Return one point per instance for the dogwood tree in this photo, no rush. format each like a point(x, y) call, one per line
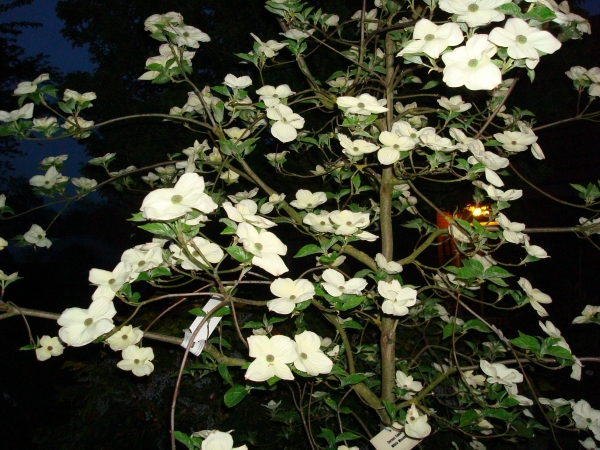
point(421, 98)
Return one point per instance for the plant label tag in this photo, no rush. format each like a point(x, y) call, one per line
point(204, 332)
point(391, 439)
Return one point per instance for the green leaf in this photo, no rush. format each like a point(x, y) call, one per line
point(540, 13)
point(510, 9)
point(238, 254)
point(498, 413)
point(159, 272)
point(390, 408)
point(197, 312)
point(28, 347)
point(352, 302)
point(526, 342)
point(352, 324)
point(328, 435)
point(353, 379)
point(559, 352)
point(346, 436)
point(448, 330)
point(191, 443)
point(235, 395)
point(159, 228)
point(224, 372)
point(468, 417)
point(476, 324)
point(431, 84)
point(309, 249)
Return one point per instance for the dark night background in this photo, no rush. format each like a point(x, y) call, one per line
point(80, 399)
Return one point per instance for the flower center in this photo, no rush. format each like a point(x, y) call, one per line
point(361, 105)
point(141, 263)
point(514, 142)
point(87, 322)
point(292, 297)
point(396, 147)
point(349, 223)
point(309, 205)
point(40, 236)
point(322, 222)
point(473, 7)
point(270, 358)
point(473, 63)
point(413, 135)
point(429, 37)
point(49, 348)
point(355, 149)
point(275, 96)
point(112, 281)
point(258, 246)
point(303, 355)
point(521, 39)
point(124, 337)
point(176, 199)
point(341, 288)
point(136, 361)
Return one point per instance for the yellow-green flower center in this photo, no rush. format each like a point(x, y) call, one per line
point(87, 322)
point(521, 39)
point(361, 105)
point(473, 63)
point(136, 361)
point(473, 7)
point(303, 355)
point(429, 37)
point(270, 358)
point(176, 199)
point(258, 246)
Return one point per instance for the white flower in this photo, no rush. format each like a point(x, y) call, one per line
point(320, 223)
point(101, 160)
point(584, 415)
point(243, 195)
point(436, 143)
point(340, 82)
point(170, 203)
point(271, 356)
point(588, 223)
point(269, 48)
point(416, 425)
point(433, 39)
point(473, 380)
point(501, 196)
point(265, 246)
point(37, 236)
point(364, 105)
point(393, 144)
point(515, 141)
point(336, 285)
point(189, 36)
point(49, 346)
point(308, 200)
point(237, 83)
point(209, 253)
point(407, 382)
point(535, 297)
point(513, 392)
point(218, 440)
point(3, 243)
point(534, 250)
point(272, 96)
point(229, 176)
point(296, 35)
point(157, 22)
point(310, 357)
point(499, 373)
point(332, 20)
point(589, 443)
point(462, 141)
point(471, 65)
point(289, 293)
point(245, 211)
point(84, 183)
point(25, 112)
point(28, 87)
point(474, 12)
point(512, 231)
point(77, 97)
point(370, 26)
point(48, 180)
point(82, 326)
point(138, 360)
point(78, 123)
point(347, 222)
point(390, 267)
point(125, 337)
point(587, 314)
point(491, 161)
point(524, 41)
point(286, 122)
point(455, 104)
point(109, 282)
point(357, 148)
point(397, 298)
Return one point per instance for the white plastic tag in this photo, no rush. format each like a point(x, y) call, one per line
point(204, 332)
point(390, 439)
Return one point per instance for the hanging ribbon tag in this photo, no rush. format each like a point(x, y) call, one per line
point(207, 329)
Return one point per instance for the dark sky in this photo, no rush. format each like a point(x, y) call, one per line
point(65, 56)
